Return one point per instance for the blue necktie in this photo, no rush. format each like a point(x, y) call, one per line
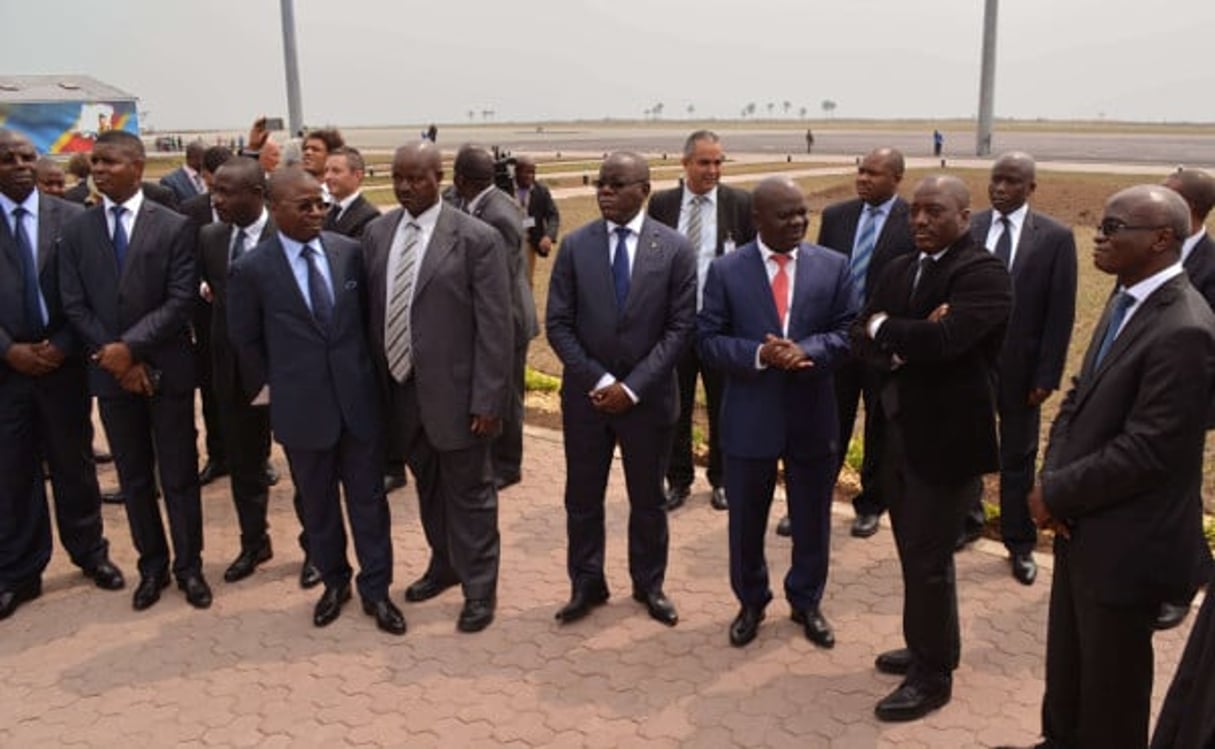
point(120, 237)
point(238, 244)
point(1122, 303)
point(318, 290)
point(1004, 243)
point(865, 242)
point(620, 268)
point(34, 321)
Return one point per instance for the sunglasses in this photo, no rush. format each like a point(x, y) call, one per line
point(1111, 226)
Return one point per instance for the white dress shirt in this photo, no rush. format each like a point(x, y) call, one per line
point(132, 206)
point(1142, 290)
point(1016, 221)
point(426, 228)
point(294, 251)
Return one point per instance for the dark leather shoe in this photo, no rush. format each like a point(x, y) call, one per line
point(658, 606)
point(895, 662)
point(584, 598)
point(504, 482)
point(147, 592)
point(427, 587)
point(330, 606)
point(676, 496)
point(12, 598)
point(211, 470)
point(105, 575)
point(248, 560)
point(818, 631)
point(476, 615)
point(392, 482)
point(388, 618)
point(864, 525)
point(718, 501)
point(101, 457)
point(1024, 568)
point(310, 575)
point(271, 474)
point(198, 593)
point(745, 626)
point(784, 527)
point(967, 537)
point(913, 700)
point(115, 497)
point(1171, 615)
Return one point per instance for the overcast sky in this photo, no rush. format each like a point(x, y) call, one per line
point(217, 63)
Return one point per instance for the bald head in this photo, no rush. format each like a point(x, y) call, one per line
point(243, 173)
point(878, 175)
point(296, 203)
point(1140, 233)
point(1154, 206)
point(417, 170)
point(473, 170)
point(781, 216)
point(286, 179)
point(238, 191)
point(622, 187)
point(1012, 181)
point(1197, 188)
point(940, 212)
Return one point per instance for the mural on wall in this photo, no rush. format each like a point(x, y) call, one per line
point(68, 127)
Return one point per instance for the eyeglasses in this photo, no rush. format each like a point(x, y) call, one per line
point(616, 185)
point(1111, 226)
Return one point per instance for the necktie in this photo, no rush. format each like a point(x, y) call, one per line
point(780, 288)
point(335, 212)
point(34, 321)
point(120, 237)
point(866, 240)
point(318, 290)
point(924, 264)
point(1121, 305)
point(398, 340)
point(620, 268)
point(1004, 243)
point(238, 245)
point(694, 225)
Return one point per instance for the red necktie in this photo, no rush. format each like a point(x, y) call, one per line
point(780, 288)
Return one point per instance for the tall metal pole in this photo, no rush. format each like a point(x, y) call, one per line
point(987, 80)
point(295, 107)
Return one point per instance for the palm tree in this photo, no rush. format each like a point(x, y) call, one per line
point(802, 112)
point(771, 106)
point(828, 107)
point(786, 105)
point(657, 110)
point(471, 115)
point(691, 110)
point(750, 111)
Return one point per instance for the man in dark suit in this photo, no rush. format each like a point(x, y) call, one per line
point(44, 400)
point(934, 324)
point(541, 219)
point(1040, 253)
point(621, 306)
point(775, 323)
point(871, 230)
point(295, 318)
point(186, 180)
point(78, 167)
point(129, 282)
point(350, 212)
point(440, 324)
point(474, 181)
point(1121, 480)
point(715, 218)
point(198, 208)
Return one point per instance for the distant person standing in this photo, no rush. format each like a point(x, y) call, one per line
point(78, 167)
point(938, 142)
point(432, 133)
point(809, 140)
point(541, 220)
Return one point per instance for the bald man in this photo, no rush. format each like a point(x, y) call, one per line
point(933, 325)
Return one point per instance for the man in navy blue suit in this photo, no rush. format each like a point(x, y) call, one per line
point(775, 322)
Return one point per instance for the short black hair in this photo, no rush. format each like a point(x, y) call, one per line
point(122, 138)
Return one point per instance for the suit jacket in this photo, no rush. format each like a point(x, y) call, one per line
point(640, 345)
point(460, 322)
point(1200, 267)
point(542, 209)
point(53, 214)
point(770, 412)
point(354, 219)
point(943, 394)
point(148, 306)
point(198, 210)
point(77, 193)
point(160, 194)
point(321, 382)
point(1124, 463)
point(838, 231)
point(180, 183)
point(734, 220)
point(499, 211)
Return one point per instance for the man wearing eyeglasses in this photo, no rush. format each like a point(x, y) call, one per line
point(621, 306)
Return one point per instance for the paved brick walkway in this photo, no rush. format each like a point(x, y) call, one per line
point(80, 668)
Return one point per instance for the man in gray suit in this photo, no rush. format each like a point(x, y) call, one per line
point(621, 306)
point(474, 181)
point(440, 332)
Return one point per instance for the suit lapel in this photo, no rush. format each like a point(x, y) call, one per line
point(442, 240)
point(755, 280)
point(286, 278)
point(101, 231)
point(146, 223)
point(725, 218)
point(649, 255)
point(600, 260)
point(1026, 244)
point(337, 277)
point(898, 212)
point(48, 221)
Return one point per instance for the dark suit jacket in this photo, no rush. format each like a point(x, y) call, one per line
point(354, 219)
point(321, 382)
point(77, 193)
point(181, 185)
point(770, 412)
point(53, 214)
point(943, 396)
point(1124, 463)
point(640, 346)
point(160, 194)
point(1200, 267)
point(543, 209)
point(460, 322)
point(1044, 303)
point(734, 219)
point(198, 210)
point(838, 231)
point(148, 307)
point(499, 211)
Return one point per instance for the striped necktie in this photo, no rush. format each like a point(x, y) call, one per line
point(398, 339)
point(863, 252)
point(694, 221)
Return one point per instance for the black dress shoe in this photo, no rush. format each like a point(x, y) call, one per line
point(148, 591)
point(1170, 615)
point(1024, 569)
point(865, 525)
point(115, 497)
point(718, 501)
point(913, 700)
point(330, 606)
point(476, 615)
point(503, 482)
point(198, 593)
point(967, 537)
point(658, 606)
point(584, 598)
point(310, 575)
point(427, 587)
point(247, 561)
point(895, 662)
point(13, 597)
point(388, 618)
point(105, 575)
point(818, 631)
point(676, 496)
point(101, 456)
point(213, 469)
point(745, 626)
point(784, 527)
point(393, 481)
point(271, 474)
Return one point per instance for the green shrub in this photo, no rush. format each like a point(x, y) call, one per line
point(534, 381)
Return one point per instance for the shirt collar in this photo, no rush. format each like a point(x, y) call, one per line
point(427, 219)
point(709, 197)
point(472, 204)
point(295, 249)
point(30, 204)
point(345, 202)
point(256, 228)
point(767, 252)
point(634, 224)
point(133, 204)
point(883, 209)
point(1016, 218)
point(1144, 288)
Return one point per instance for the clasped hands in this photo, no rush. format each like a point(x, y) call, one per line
point(34, 359)
point(611, 399)
point(132, 376)
point(783, 353)
point(1041, 514)
point(483, 426)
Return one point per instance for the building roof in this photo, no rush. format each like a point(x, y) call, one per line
point(16, 89)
